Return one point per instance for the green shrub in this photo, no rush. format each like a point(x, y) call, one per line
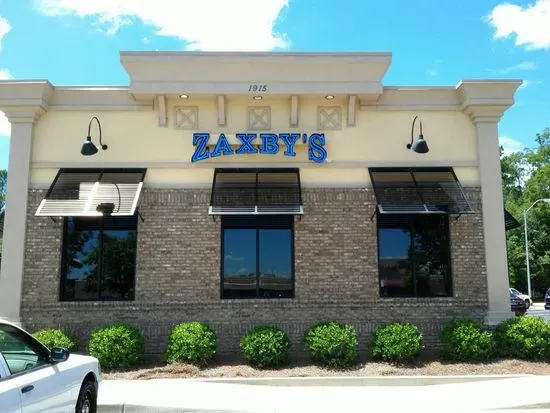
point(464, 340)
point(265, 346)
point(524, 337)
point(54, 337)
point(118, 345)
point(191, 342)
point(397, 342)
point(332, 343)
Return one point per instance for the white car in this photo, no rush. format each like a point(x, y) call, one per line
point(524, 297)
point(36, 379)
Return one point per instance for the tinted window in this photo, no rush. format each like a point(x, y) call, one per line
point(414, 256)
point(99, 258)
point(20, 351)
point(258, 257)
point(239, 269)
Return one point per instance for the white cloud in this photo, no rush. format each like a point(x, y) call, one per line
point(529, 24)
point(4, 74)
point(5, 126)
point(237, 25)
point(523, 66)
point(4, 29)
point(432, 72)
point(527, 83)
point(510, 145)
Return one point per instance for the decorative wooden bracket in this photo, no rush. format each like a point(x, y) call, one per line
point(352, 105)
point(294, 111)
point(163, 118)
point(221, 110)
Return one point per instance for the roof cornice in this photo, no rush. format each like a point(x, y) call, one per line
point(487, 100)
point(24, 101)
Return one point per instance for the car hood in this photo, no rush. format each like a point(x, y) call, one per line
point(81, 359)
point(81, 362)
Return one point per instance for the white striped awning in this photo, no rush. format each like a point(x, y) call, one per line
point(88, 192)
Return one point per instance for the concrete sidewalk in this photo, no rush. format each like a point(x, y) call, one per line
point(331, 395)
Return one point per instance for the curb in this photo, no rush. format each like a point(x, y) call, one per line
point(130, 408)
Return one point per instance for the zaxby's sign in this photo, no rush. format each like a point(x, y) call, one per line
point(268, 143)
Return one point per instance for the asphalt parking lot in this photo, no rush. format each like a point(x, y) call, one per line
point(537, 309)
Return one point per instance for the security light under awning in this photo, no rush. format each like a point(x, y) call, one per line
point(88, 192)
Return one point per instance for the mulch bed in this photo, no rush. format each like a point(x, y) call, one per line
point(369, 368)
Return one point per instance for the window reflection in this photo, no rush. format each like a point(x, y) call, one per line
point(257, 257)
point(275, 263)
point(414, 255)
point(395, 270)
point(239, 270)
point(99, 257)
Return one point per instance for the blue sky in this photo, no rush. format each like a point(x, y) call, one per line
point(76, 42)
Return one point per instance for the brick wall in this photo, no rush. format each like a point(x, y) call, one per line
point(178, 273)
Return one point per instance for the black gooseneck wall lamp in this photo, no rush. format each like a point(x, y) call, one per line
point(107, 208)
point(420, 146)
point(88, 147)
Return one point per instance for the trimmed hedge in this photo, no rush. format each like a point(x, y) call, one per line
point(396, 342)
point(523, 337)
point(55, 337)
point(265, 346)
point(466, 340)
point(117, 345)
point(191, 342)
point(332, 343)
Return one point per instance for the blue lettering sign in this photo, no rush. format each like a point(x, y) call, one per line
point(201, 151)
point(269, 144)
point(290, 140)
point(221, 146)
point(317, 152)
point(246, 143)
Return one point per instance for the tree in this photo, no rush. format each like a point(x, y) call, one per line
point(526, 178)
point(3, 182)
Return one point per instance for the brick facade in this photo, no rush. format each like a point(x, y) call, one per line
point(336, 274)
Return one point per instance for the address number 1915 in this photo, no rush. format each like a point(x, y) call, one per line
point(257, 88)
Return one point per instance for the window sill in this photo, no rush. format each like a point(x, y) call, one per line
point(97, 303)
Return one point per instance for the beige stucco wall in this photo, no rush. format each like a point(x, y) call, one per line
point(134, 137)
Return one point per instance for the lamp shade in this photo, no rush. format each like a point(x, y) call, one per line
point(420, 146)
point(88, 147)
point(106, 208)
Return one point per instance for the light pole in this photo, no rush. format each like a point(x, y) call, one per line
point(547, 200)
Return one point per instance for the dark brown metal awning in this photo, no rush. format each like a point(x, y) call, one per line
point(79, 192)
point(418, 191)
point(509, 221)
point(256, 192)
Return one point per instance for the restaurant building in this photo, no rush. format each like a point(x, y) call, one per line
point(242, 189)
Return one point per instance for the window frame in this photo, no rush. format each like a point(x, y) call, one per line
point(449, 286)
point(64, 259)
point(259, 223)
